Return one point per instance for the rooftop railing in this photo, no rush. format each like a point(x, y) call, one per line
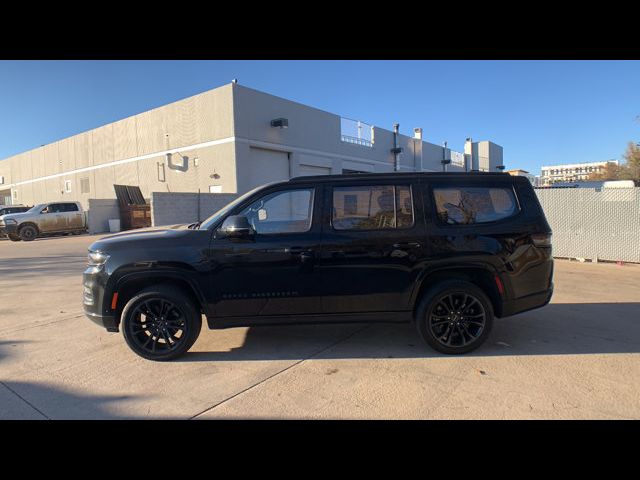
point(356, 132)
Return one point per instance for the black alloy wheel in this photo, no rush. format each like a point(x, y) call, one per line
point(160, 323)
point(457, 319)
point(454, 317)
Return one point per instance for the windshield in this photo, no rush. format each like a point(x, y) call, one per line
point(227, 208)
point(37, 208)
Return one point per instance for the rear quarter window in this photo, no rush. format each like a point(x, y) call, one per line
point(474, 205)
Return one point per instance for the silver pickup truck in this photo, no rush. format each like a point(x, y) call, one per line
point(43, 220)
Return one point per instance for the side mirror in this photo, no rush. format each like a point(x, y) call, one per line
point(237, 226)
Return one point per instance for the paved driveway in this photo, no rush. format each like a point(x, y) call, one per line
point(579, 357)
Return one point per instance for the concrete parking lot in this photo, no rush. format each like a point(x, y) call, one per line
point(579, 357)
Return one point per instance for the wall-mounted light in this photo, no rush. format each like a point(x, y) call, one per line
point(280, 122)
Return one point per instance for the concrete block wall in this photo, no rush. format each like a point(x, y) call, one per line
point(170, 208)
point(100, 211)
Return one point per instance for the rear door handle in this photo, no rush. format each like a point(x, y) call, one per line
point(297, 250)
point(407, 245)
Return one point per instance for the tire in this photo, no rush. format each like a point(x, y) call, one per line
point(454, 317)
point(13, 237)
point(171, 319)
point(28, 233)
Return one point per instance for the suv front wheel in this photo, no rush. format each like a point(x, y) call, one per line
point(454, 317)
point(160, 323)
point(28, 233)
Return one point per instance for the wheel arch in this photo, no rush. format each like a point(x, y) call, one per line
point(482, 276)
point(129, 284)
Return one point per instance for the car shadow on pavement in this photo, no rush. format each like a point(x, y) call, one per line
point(36, 401)
point(557, 329)
point(7, 345)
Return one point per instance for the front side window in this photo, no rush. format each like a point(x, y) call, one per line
point(376, 207)
point(281, 212)
point(470, 205)
point(53, 208)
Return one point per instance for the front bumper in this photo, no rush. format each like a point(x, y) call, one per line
point(107, 321)
point(95, 304)
point(8, 229)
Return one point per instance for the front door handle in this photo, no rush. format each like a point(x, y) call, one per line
point(306, 255)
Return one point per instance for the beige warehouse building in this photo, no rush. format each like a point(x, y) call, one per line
point(226, 140)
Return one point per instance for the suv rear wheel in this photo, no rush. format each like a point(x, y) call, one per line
point(454, 317)
point(160, 323)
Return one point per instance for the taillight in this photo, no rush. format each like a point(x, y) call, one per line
point(541, 239)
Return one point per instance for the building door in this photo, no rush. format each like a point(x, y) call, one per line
point(5, 197)
point(304, 170)
point(265, 166)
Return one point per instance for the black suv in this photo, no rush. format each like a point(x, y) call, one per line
point(448, 251)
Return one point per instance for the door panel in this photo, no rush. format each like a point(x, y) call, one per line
point(50, 221)
point(75, 218)
point(373, 245)
point(276, 272)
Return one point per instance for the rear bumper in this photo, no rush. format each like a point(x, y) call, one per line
point(523, 304)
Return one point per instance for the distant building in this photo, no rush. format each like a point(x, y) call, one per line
point(523, 173)
point(572, 172)
point(226, 140)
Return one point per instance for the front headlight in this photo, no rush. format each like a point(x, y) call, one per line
point(97, 259)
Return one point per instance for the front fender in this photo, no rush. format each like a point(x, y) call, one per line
point(149, 275)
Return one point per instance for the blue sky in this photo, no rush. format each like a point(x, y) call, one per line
point(541, 112)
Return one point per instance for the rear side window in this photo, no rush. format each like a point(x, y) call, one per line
point(472, 205)
point(376, 207)
point(55, 208)
point(70, 207)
